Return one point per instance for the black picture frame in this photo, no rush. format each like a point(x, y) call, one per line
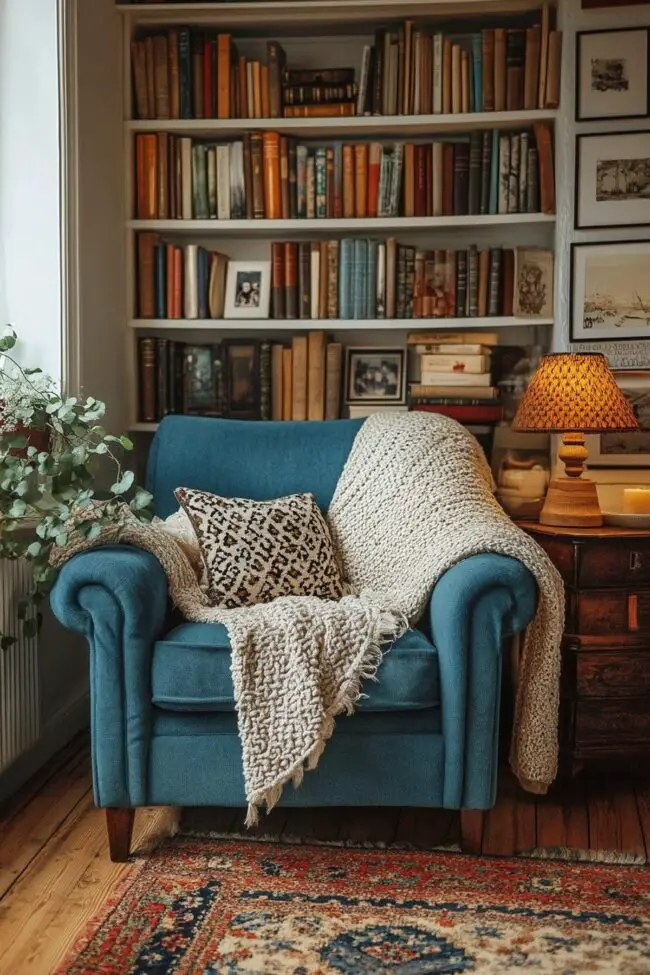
point(242, 379)
point(613, 338)
point(578, 74)
point(202, 375)
point(394, 352)
point(580, 138)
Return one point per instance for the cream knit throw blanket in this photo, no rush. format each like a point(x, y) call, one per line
point(414, 498)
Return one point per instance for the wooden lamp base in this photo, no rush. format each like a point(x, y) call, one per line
point(572, 501)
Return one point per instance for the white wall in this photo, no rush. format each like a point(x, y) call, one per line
point(30, 272)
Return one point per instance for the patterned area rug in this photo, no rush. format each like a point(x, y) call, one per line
point(209, 906)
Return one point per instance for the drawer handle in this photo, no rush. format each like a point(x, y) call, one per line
point(633, 612)
point(635, 561)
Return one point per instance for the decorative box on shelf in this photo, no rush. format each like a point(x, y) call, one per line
point(605, 689)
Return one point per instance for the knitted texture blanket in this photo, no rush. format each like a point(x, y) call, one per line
point(414, 498)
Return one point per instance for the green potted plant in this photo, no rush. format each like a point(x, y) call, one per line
point(55, 458)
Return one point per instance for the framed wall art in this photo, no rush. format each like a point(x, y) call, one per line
point(610, 291)
point(627, 449)
point(612, 74)
point(375, 375)
point(612, 183)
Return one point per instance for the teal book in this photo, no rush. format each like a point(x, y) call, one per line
point(371, 280)
point(477, 72)
point(320, 171)
point(200, 204)
point(359, 279)
point(494, 173)
point(346, 256)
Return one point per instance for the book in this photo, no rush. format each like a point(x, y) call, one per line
point(277, 392)
point(265, 359)
point(553, 71)
point(430, 377)
point(452, 348)
point(473, 337)
point(488, 69)
point(462, 412)
point(500, 69)
point(333, 372)
point(465, 363)
point(147, 379)
point(468, 392)
point(544, 143)
point(299, 380)
point(531, 69)
point(543, 57)
point(316, 376)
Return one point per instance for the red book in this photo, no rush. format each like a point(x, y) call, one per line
point(428, 170)
point(448, 180)
point(178, 282)
point(208, 81)
point(464, 414)
point(420, 182)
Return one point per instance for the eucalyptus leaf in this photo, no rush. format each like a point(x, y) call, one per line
point(125, 482)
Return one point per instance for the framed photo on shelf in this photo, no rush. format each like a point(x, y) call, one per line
point(248, 289)
point(627, 449)
point(375, 375)
point(612, 74)
point(242, 386)
point(610, 291)
point(203, 380)
point(612, 179)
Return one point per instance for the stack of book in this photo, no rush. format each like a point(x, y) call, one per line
point(457, 379)
point(189, 73)
point(241, 379)
point(179, 282)
point(268, 176)
point(314, 93)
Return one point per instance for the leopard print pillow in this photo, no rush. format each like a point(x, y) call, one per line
point(255, 551)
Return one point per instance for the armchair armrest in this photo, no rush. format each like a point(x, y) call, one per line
point(474, 606)
point(117, 598)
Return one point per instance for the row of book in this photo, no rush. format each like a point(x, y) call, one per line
point(241, 379)
point(179, 281)
point(187, 73)
point(268, 176)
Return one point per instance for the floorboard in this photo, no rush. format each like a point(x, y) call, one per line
point(55, 870)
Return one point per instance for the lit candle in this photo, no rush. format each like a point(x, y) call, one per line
point(636, 501)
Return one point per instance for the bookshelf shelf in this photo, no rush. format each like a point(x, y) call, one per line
point(302, 228)
point(332, 324)
point(258, 17)
point(376, 126)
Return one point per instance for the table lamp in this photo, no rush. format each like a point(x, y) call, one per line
point(573, 395)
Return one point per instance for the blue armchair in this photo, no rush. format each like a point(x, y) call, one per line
point(164, 729)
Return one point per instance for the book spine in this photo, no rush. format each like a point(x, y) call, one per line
point(458, 363)
point(531, 67)
point(544, 143)
point(360, 180)
point(275, 59)
point(139, 67)
point(362, 94)
point(348, 181)
point(477, 71)
point(483, 282)
point(333, 369)
point(147, 375)
point(461, 283)
point(197, 47)
point(146, 245)
point(391, 277)
point(380, 293)
point(332, 279)
point(200, 182)
point(370, 310)
point(202, 269)
point(277, 280)
point(487, 37)
point(320, 173)
point(523, 173)
point(448, 179)
point(314, 270)
point(185, 72)
point(409, 283)
point(287, 384)
point(301, 181)
point(401, 282)
point(316, 376)
point(346, 252)
point(475, 162)
point(504, 173)
point(224, 51)
point(500, 69)
point(161, 77)
point(532, 182)
point(276, 381)
point(265, 381)
point(552, 97)
point(508, 278)
point(359, 279)
point(436, 95)
point(472, 281)
point(285, 200)
point(299, 383)
point(160, 265)
point(513, 174)
point(291, 280)
point(311, 187)
point(208, 78)
point(494, 291)
point(304, 279)
point(447, 78)
point(191, 280)
point(271, 173)
point(223, 182)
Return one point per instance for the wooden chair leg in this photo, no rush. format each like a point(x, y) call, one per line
point(471, 830)
point(119, 824)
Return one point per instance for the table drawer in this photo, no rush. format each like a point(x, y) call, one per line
point(610, 613)
point(612, 563)
point(616, 674)
point(607, 722)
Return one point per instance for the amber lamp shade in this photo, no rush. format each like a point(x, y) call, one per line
point(573, 394)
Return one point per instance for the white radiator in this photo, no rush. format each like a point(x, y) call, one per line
point(20, 708)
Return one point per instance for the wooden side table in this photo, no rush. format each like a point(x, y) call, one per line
point(605, 687)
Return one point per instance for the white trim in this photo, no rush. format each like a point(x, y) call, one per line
point(333, 324)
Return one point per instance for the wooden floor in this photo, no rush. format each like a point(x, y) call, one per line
point(55, 871)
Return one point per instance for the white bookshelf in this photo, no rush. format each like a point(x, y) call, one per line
point(334, 324)
point(320, 35)
point(365, 126)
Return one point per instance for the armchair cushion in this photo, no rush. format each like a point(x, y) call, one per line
point(191, 672)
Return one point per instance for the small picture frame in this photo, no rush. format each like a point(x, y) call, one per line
point(248, 289)
point(375, 375)
point(242, 379)
point(612, 74)
point(610, 291)
point(612, 182)
point(203, 377)
point(626, 449)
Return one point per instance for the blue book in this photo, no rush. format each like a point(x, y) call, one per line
point(185, 72)
point(359, 279)
point(160, 271)
point(346, 258)
point(477, 71)
point(371, 280)
point(494, 173)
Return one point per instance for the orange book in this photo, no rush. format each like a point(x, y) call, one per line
point(257, 90)
point(178, 282)
point(169, 275)
point(552, 96)
point(162, 177)
point(446, 76)
point(409, 180)
point(284, 177)
point(224, 47)
point(337, 110)
point(140, 178)
point(348, 181)
point(464, 81)
point(266, 92)
point(271, 170)
point(360, 179)
point(149, 176)
point(242, 78)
